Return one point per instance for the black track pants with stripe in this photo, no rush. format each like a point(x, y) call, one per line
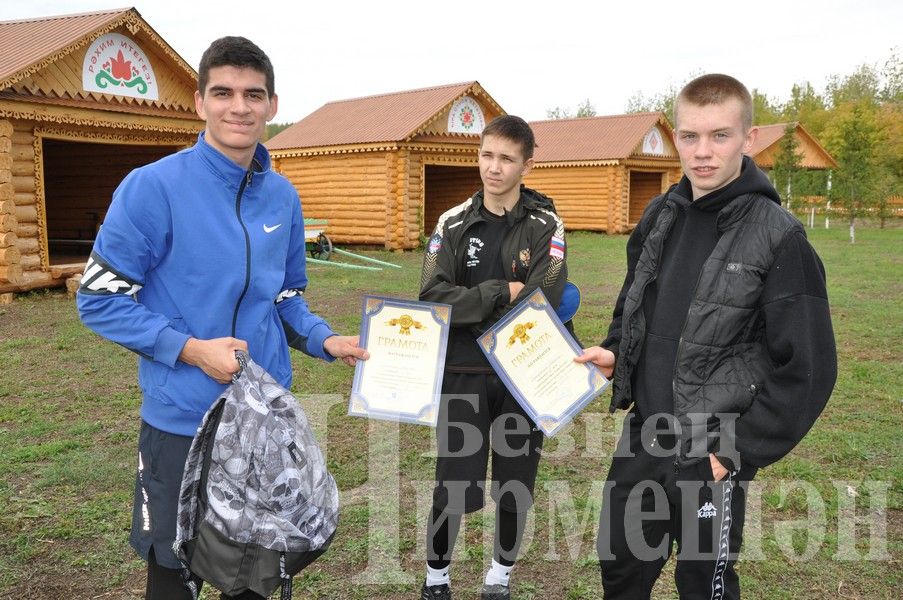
point(649, 504)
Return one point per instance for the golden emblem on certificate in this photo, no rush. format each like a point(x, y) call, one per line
point(533, 354)
point(405, 322)
point(520, 333)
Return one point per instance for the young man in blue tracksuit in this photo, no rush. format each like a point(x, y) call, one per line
point(202, 254)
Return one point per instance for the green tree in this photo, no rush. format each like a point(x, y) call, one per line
point(853, 137)
point(584, 109)
point(863, 85)
point(765, 112)
point(892, 79)
point(806, 106)
point(866, 110)
point(787, 164)
point(660, 102)
point(274, 128)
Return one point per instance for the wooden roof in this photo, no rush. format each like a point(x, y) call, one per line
point(30, 48)
point(607, 138)
point(395, 117)
point(767, 146)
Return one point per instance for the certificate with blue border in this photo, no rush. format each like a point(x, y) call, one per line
point(533, 353)
point(402, 379)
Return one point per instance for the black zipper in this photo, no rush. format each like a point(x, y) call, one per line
point(241, 190)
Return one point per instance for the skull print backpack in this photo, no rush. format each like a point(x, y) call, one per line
point(257, 504)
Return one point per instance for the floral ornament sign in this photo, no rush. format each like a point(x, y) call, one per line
point(466, 116)
point(114, 64)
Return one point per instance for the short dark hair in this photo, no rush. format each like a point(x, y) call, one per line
point(716, 88)
point(512, 128)
point(235, 51)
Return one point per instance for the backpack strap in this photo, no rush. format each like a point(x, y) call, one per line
point(286, 578)
point(191, 581)
point(242, 358)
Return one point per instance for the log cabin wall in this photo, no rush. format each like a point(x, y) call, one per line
point(349, 190)
point(414, 202)
point(21, 260)
point(10, 255)
point(581, 194)
point(618, 213)
point(391, 198)
point(396, 198)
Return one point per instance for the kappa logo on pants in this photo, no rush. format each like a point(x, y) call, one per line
point(707, 511)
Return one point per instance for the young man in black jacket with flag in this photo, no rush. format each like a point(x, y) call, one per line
point(486, 255)
point(721, 342)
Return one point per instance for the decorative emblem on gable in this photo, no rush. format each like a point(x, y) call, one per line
point(653, 142)
point(466, 116)
point(114, 64)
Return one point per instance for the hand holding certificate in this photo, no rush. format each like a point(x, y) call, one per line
point(534, 355)
point(403, 377)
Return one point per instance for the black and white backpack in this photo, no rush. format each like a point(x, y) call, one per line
point(257, 504)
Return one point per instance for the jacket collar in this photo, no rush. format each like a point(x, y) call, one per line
point(226, 168)
point(529, 200)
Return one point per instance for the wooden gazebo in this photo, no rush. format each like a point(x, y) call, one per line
point(382, 169)
point(768, 144)
point(84, 99)
point(603, 171)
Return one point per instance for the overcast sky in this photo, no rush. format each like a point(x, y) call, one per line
point(530, 56)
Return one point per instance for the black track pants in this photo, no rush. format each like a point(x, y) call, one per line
point(649, 503)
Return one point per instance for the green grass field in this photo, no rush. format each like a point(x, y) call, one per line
point(825, 522)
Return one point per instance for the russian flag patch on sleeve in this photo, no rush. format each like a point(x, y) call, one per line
point(435, 243)
point(556, 249)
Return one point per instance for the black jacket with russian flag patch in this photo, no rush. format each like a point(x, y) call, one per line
point(533, 252)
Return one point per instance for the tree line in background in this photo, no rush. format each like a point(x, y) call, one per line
point(274, 128)
point(859, 121)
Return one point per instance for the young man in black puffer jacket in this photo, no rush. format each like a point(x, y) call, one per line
point(721, 341)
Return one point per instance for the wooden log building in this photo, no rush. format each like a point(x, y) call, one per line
point(768, 146)
point(382, 169)
point(84, 99)
point(603, 171)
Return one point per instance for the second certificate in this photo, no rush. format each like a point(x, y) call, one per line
point(402, 379)
point(532, 352)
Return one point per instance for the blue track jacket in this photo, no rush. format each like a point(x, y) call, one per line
point(195, 246)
